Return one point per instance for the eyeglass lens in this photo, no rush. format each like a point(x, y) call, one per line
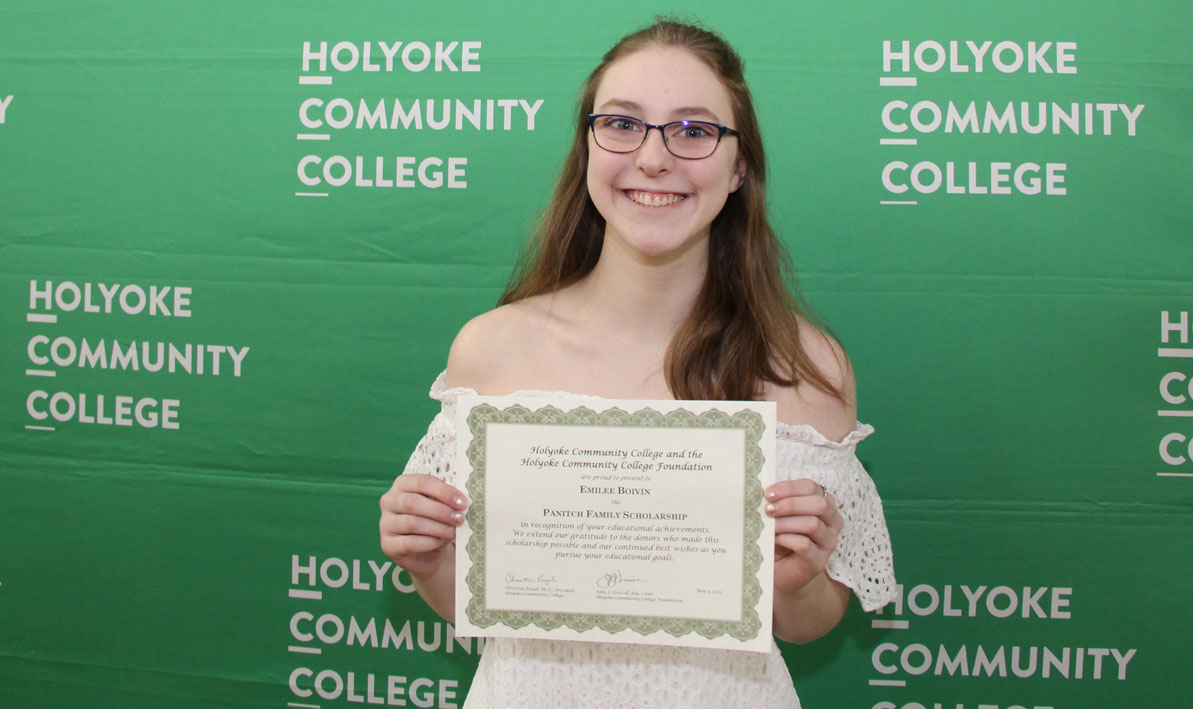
point(685, 139)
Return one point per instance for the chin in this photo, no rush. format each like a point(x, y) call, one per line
point(657, 248)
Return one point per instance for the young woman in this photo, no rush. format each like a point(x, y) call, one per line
point(656, 275)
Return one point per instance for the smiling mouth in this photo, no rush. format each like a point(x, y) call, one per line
point(654, 199)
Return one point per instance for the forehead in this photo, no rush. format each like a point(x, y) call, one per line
point(663, 82)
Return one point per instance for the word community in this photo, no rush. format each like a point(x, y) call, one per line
point(1031, 117)
point(427, 636)
point(147, 356)
point(490, 114)
point(1001, 661)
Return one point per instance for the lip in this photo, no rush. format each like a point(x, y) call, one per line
point(654, 199)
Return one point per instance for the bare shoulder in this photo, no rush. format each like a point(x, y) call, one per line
point(490, 345)
point(805, 404)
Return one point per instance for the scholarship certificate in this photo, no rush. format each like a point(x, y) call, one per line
point(623, 521)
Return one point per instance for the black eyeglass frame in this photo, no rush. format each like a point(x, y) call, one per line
point(722, 131)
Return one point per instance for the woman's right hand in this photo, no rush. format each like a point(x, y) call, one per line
point(419, 516)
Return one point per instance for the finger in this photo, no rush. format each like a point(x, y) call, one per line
point(814, 505)
point(397, 546)
point(432, 487)
point(423, 495)
point(408, 503)
point(793, 488)
point(819, 534)
point(797, 544)
point(812, 527)
point(413, 525)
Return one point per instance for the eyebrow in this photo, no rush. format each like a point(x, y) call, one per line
point(685, 111)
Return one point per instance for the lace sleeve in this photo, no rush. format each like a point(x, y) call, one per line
point(436, 451)
point(862, 559)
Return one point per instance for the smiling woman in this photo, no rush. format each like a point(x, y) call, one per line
point(655, 274)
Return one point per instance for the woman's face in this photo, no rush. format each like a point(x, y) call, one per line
point(655, 204)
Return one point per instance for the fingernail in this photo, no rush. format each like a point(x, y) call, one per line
point(771, 494)
point(458, 517)
point(770, 508)
point(459, 502)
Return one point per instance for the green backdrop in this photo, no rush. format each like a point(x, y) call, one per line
point(989, 202)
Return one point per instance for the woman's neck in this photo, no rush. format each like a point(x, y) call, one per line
point(638, 296)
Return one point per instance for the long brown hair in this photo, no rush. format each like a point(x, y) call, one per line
point(743, 329)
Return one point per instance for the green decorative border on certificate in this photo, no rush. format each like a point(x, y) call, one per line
point(750, 422)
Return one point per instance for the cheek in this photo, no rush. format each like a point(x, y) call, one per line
point(600, 176)
point(593, 167)
point(590, 174)
point(733, 177)
point(597, 182)
point(718, 178)
point(736, 177)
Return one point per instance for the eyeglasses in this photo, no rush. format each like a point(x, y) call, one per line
point(690, 140)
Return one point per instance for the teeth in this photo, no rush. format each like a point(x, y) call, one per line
point(648, 199)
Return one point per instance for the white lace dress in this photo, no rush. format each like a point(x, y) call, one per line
point(562, 674)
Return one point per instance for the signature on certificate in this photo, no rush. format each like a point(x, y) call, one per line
point(613, 578)
point(514, 578)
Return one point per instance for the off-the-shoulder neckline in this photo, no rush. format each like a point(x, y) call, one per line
point(784, 431)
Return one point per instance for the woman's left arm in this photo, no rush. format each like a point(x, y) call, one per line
point(807, 603)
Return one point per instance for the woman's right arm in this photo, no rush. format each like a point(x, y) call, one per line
point(420, 513)
point(419, 516)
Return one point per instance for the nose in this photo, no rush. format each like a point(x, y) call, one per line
point(653, 158)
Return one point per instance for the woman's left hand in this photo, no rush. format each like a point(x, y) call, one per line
point(807, 525)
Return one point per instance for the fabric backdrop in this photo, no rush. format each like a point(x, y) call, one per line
point(236, 240)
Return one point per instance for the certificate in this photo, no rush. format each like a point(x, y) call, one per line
point(624, 521)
